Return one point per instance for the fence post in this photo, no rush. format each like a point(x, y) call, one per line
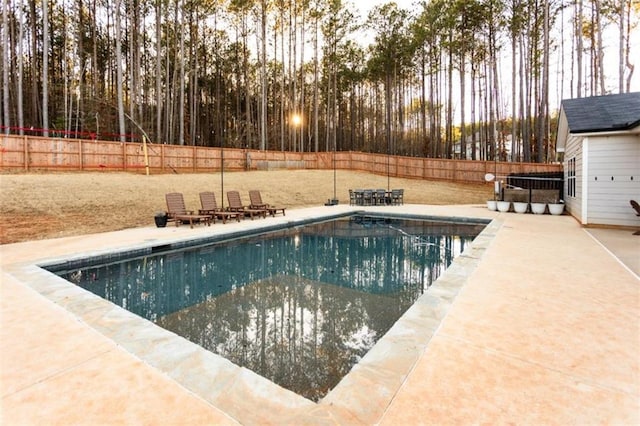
point(455, 170)
point(396, 163)
point(124, 156)
point(162, 157)
point(25, 147)
point(80, 156)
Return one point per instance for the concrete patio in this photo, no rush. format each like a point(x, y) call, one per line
point(536, 323)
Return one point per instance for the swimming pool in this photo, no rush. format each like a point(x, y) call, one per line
point(299, 306)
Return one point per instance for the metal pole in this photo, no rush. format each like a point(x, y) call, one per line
point(222, 168)
point(335, 197)
point(495, 168)
point(388, 165)
point(146, 154)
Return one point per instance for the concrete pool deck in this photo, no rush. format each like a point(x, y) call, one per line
point(538, 324)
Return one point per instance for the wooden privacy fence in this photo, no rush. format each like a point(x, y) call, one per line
point(31, 153)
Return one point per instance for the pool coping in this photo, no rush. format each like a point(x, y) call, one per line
point(240, 393)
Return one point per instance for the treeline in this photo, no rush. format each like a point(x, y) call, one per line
point(473, 79)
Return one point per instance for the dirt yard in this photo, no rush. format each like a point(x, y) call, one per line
point(39, 206)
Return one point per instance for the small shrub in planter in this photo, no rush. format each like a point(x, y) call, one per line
point(538, 208)
point(160, 219)
point(503, 206)
point(556, 208)
point(520, 207)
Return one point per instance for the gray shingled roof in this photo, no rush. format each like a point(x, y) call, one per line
point(602, 113)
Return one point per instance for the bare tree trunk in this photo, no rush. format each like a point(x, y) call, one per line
point(263, 75)
point(293, 30)
point(172, 81)
point(561, 75)
point(81, 62)
point(621, 46)
point(541, 137)
point(139, 96)
point(334, 109)
point(352, 116)
point(180, 10)
point(316, 82)
point(249, 135)
point(422, 136)
point(302, 79)
point(20, 73)
point(121, 124)
point(599, 50)
point(35, 71)
point(136, 27)
point(434, 108)
point(436, 112)
point(131, 28)
point(158, 10)
point(463, 133)
point(579, 46)
point(449, 118)
point(67, 100)
point(95, 74)
point(283, 84)
point(5, 66)
point(193, 85)
point(45, 67)
point(329, 114)
point(514, 111)
point(494, 98)
point(630, 66)
point(474, 77)
point(525, 110)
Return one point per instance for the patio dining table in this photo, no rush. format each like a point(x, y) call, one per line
point(370, 197)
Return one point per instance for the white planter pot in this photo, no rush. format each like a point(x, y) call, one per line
point(503, 206)
point(538, 208)
point(492, 205)
point(556, 209)
point(520, 207)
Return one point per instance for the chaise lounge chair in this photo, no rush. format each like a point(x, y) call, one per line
point(636, 208)
point(210, 207)
point(257, 203)
point(235, 205)
point(177, 211)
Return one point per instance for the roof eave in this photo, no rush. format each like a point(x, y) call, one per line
point(633, 127)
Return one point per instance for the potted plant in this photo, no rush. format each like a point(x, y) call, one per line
point(556, 208)
point(520, 207)
point(160, 219)
point(538, 208)
point(503, 206)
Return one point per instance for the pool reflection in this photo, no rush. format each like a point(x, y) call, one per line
point(299, 307)
point(300, 334)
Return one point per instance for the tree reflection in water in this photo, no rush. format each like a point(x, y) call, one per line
point(301, 334)
point(300, 307)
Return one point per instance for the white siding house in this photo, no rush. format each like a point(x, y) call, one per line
point(600, 138)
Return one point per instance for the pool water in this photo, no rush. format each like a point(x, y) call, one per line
point(299, 306)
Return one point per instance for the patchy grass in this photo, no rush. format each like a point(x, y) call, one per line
point(39, 206)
